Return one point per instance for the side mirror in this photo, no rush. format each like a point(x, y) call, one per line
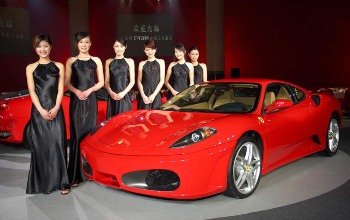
point(278, 105)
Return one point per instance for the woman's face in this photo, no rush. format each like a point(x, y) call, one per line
point(84, 45)
point(194, 54)
point(150, 52)
point(43, 49)
point(119, 49)
point(179, 54)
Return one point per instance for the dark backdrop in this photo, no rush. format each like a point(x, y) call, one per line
point(305, 42)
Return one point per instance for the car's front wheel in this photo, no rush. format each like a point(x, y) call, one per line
point(332, 136)
point(245, 169)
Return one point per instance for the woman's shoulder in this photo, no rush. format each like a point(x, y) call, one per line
point(129, 60)
point(203, 65)
point(71, 60)
point(142, 62)
point(32, 66)
point(160, 60)
point(96, 59)
point(58, 64)
point(189, 64)
point(109, 60)
point(172, 64)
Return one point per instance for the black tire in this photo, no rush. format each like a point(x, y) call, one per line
point(244, 169)
point(332, 137)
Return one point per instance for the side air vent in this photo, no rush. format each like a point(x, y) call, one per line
point(316, 139)
point(316, 99)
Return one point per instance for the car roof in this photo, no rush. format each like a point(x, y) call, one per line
point(262, 81)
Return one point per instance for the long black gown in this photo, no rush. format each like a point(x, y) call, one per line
point(119, 80)
point(48, 170)
point(198, 74)
point(83, 115)
point(179, 78)
point(150, 80)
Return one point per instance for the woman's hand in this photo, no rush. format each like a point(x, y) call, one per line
point(120, 95)
point(151, 98)
point(45, 114)
point(146, 100)
point(80, 95)
point(175, 93)
point(53, 113)
point(113, 95)
point(86, 93)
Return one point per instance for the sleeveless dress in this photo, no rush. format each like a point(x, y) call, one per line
point(83, 115)
point(198, 74)
point(119, 80)
point(48, 170)
point(179, 79)
point(150, 80)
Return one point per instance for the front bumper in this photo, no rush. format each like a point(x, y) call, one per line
point(186, 176)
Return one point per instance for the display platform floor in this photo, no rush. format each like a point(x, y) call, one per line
point(315, 187)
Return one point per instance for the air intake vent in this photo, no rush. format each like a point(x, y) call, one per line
point(162, 180)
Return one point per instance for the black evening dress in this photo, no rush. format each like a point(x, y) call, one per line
point(119, 80)
point(198, 74)
point(150, 80)
point(48, 170)
point(179, 78)
point(83, 115)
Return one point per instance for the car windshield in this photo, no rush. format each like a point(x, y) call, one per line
point(216, 97)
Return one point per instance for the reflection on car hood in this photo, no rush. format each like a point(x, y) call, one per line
point(148, 130)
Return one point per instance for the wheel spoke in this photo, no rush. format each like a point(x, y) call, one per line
point(249, 152)
point(255, 164)
point(250, 180)
point(242, 178)
point(334, 143)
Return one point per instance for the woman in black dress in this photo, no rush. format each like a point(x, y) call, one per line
point(47, 136)
point(180, 73)
point(120, 78)
point(150, 78)
point(80, 80)
point(200, 69)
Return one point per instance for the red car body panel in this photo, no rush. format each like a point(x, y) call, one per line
point(140, 140)
point(15, 115)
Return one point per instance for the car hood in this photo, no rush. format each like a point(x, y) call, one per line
point(147, 130)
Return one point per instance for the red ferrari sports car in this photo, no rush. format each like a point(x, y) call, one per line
point(15, 113)
point(215, 137)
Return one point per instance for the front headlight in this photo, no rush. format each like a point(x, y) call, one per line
point(194, 137)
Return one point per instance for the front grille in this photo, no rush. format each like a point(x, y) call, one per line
point(162, 180)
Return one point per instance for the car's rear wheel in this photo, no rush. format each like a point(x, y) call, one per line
point(245, 169)
point(332, 136)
